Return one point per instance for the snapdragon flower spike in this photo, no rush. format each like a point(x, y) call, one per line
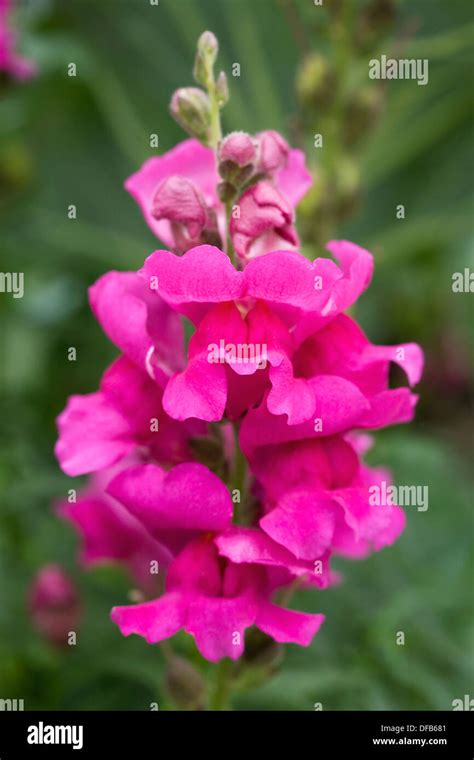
point(190, 161)
point(212, 598)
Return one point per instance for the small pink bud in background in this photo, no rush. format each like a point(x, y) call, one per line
point(54, 605)
point(179, 200)
point(273, 152)
point(239, 148)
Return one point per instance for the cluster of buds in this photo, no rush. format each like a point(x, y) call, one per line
point(197, 110)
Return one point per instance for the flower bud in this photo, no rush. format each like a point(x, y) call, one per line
point(54, 604)
point(273, 152)
point(206, 54)
point(179, 200)
point(190, 107)
point(238, 148)
point(222, 90)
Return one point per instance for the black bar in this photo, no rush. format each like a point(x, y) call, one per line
point(160, 733)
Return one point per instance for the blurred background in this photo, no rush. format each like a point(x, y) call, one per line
point(73, 140)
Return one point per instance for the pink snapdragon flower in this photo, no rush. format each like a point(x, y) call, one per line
point(197, 214)
point(11, 63)
point(317, 498)
point(213, 599)
point(282, 309)
point(188, 500)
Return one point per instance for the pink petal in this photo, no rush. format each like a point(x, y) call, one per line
point(188, 497)
point(294, 180)
point(200, 391)
point(251, 545)
point(92, 435)
point(389, 408)
point(408, 356)
point(303, 522)
point(219, 624)
point(190, 283)
point(287, 626)
point(155, 621)
point(136, 320)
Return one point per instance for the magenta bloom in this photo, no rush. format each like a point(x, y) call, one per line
point(212, 598)
point(178, 197)
point(54, 605)
point(215, 601)
point(11, 63)
point(282, 314)
point(317, 498)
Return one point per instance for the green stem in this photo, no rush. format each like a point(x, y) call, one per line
point(219, 699)
point(229, 247)
point(216, 131)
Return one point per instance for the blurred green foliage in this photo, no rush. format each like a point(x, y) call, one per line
point(67, 140)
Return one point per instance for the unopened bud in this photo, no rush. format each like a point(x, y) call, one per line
point(222, 90)
point(179, 200)
point(190, 107)
point(273, 152)
point(238, 148)
point(206, 54)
